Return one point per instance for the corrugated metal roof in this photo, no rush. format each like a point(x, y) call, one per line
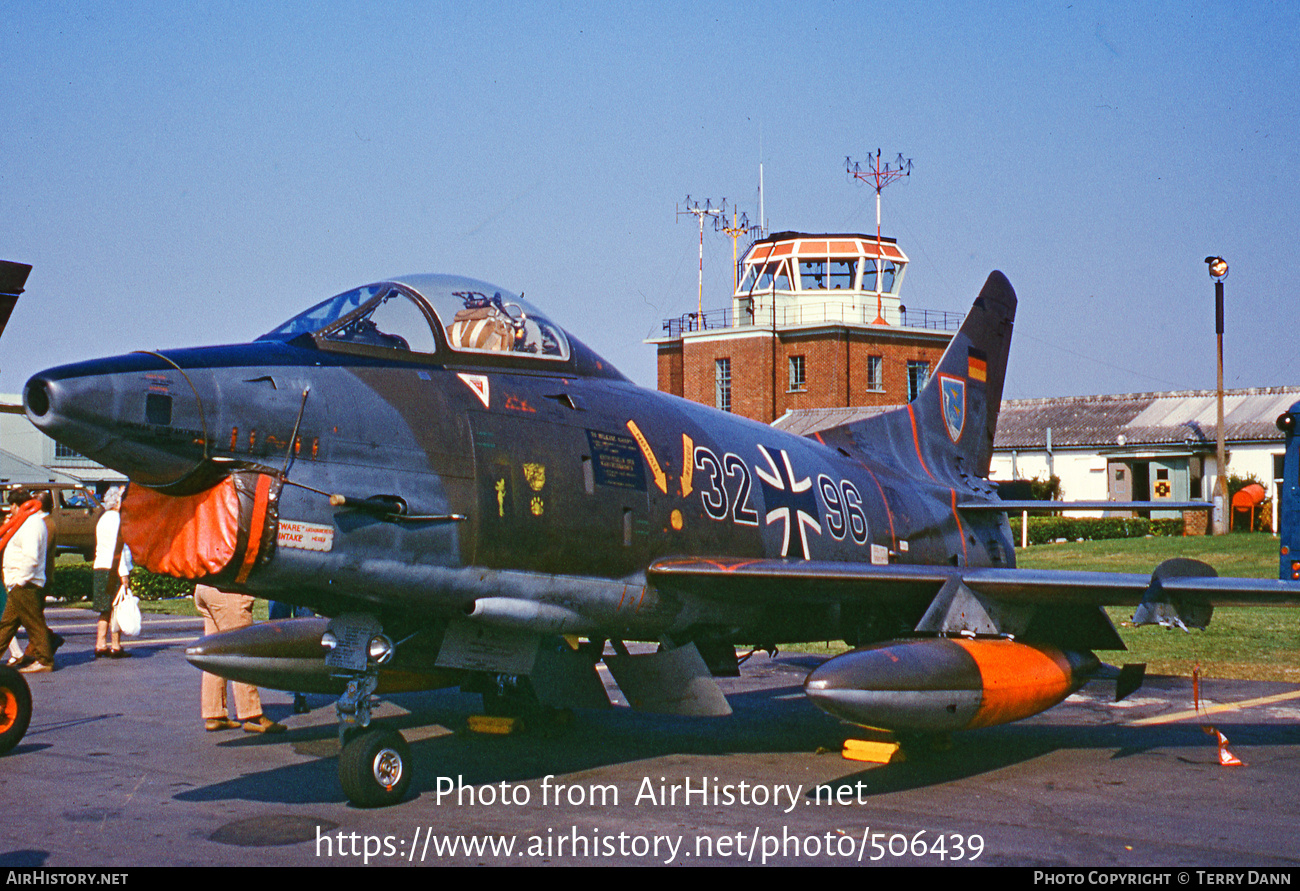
point(1181, 417)
point(1155, 419)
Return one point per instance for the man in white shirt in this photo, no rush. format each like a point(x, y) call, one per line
point(24, 576)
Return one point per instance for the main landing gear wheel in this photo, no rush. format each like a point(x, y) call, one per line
point(15, 708)
point(375, 768)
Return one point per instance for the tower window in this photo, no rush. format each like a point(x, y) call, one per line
point(722, 384)
point(798, 380)
point(917, 375)
point(875, 374)
point(842, 274)
point(812, 275)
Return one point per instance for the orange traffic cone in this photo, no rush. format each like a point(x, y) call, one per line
point(1226, 758)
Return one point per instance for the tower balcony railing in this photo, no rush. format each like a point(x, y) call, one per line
point(798, 314)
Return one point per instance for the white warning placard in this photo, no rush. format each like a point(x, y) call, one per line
point(307, 536)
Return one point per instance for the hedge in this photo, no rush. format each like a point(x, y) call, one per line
point(151, 586)
point(74, 582)
point(1046, 529)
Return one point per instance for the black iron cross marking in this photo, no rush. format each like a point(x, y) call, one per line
point(788, 499)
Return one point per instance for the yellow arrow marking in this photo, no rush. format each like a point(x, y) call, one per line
point(661, 478)
point(688, 465)
point(1215, 709)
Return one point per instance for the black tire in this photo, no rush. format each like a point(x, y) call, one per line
point(15, 708)
point(375, 768)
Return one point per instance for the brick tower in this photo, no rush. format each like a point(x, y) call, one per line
point(816, 322)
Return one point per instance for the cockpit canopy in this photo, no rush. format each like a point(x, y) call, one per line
point(425, 313)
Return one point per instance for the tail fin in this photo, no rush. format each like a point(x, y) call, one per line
point(1288, 511)
point(956, 414)
point(948, 429)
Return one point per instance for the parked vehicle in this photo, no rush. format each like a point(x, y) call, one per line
point(76, 510)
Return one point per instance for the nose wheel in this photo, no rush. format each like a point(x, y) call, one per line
point(375, 768)
point(15, 708)
point(375, 763)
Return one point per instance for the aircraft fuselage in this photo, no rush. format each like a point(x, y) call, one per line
point(550, 488)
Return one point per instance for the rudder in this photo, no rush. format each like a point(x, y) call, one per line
point(956, 414)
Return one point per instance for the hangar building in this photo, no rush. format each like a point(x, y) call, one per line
point(1126, 447)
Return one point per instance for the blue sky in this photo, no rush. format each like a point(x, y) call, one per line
point(182, 174)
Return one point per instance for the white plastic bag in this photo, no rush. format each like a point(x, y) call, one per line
point(126, 612)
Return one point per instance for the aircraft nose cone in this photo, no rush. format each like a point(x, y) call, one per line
point(126, 413)
point(58, 409)
point(36, 397)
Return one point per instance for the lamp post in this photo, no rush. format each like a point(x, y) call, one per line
point(1219, 271)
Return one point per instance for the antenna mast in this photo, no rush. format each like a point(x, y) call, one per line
point(762, 212)
point(880, 177)
point(708, 210)
point(737, 228)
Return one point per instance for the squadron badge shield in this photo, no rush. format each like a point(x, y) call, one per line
point(953, 390)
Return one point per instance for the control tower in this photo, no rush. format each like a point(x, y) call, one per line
point(817, 321)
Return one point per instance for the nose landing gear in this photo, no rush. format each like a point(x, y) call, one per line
point(375, 762)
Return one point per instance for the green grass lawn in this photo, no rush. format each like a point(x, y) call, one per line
point(1260, 643)
point(1242, 554)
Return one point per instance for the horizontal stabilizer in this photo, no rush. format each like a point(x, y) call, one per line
point(1161, 606)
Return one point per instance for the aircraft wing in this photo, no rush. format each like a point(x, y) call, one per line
point(822, 582)
point(12, 278)
point(1055, 606)
point(813, 581)
point(1124, 589)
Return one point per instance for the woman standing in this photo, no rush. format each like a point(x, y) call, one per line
point(111, 555)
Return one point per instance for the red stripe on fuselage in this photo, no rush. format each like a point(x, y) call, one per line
point(916, 440)
point(960, 532)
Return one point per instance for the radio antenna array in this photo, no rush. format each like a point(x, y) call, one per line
point(879, 176)
point(739, 226)
point(701, 213)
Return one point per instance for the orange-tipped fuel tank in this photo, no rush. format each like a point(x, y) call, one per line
point(937, 685)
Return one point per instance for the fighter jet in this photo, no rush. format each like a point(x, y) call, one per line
point(468, 495)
